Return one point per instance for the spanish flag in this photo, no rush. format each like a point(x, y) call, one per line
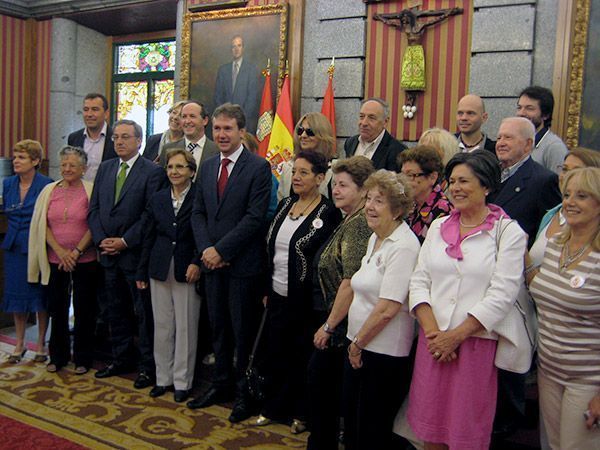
point(281, 144)
point(328, 107)
point(265, 115)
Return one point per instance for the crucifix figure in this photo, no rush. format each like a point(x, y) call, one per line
point(414, 23)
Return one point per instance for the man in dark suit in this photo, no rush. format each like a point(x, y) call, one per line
point(122, 189)
point(373, 140)
point(194, 120)
point(228, 220)
point(238, 82)
point(470, 117)
point(528, 190)
point(95, 138)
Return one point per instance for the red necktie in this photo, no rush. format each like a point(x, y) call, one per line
point(222, 182)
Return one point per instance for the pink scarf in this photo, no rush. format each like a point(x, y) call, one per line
point(450, 229)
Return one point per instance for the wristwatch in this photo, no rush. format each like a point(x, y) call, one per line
point(327, 329)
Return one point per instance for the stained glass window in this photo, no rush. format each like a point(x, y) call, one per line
point(146, 57)
point(143, 87)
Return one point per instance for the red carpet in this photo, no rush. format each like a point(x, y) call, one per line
point(19, 436)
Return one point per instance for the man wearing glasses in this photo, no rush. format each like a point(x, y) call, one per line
point(373, 140)
point(122, 189)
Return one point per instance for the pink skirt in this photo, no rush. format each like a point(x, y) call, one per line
point(454, 403)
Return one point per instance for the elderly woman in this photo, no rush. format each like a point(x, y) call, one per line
point(156, 142)
point(20, 297)
point(313, 133)
point(335, 263)
point(301, 225)
point(380, 330)
point(466, 281)
point(171, 263)
point(60, 221)
point(566, 290)
point(422, 166)
point(444, 142)
point(554, 221)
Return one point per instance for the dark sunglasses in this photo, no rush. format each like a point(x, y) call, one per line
point(309, 131)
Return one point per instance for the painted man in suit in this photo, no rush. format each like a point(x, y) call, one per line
point(229, 228)
point(373, 140)
point(122, 189)
point(95, 138)
point(470, 117)
point(528, 190)
point(238, 83)
point(194, 120)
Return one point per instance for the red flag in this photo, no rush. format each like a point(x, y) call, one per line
point(265, 116)
point(328, 107)
point(281, 144)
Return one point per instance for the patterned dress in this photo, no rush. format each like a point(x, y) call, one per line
point(436, 205)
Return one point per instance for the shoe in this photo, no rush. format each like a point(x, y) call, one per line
point(210, 397)
point(241, 410)
point(262, 421)
point(111, 370)
point(16, 358)
point(52, 368)
point(181, 395)
point(143, 380)
point(81, 370)
point(298, 426)
point(40, 357)
point(157, 391)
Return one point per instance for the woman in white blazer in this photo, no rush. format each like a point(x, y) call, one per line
point(465, 283)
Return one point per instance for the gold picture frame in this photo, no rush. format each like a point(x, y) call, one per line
point(265, 31)
point(576, 89)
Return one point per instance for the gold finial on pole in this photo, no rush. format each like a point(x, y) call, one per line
point(331, 68)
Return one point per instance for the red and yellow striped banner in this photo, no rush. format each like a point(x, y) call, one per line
point(24, 81)
point(447, 58)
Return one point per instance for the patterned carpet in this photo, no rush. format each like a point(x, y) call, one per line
point(111, 414)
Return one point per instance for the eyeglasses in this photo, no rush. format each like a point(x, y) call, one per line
point(414, 176)
point(125, 137)
point(177, 167)
point(309, 131)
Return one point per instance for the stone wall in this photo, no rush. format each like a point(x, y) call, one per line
point(79, 65)
point(512, 47)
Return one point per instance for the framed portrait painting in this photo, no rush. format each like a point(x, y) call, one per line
point(225, 52)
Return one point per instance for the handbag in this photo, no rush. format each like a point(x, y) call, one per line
point(517, 332)
point(254, 380)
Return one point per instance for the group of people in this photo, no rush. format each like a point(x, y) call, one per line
point(386, 275)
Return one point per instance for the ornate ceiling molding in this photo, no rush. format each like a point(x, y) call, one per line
point(41, 9)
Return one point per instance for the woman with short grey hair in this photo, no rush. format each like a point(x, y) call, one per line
point(61, 254)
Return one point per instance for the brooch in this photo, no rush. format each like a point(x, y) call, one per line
point(317, 223)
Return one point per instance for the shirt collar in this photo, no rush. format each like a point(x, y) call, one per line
point(234, 156)
point(200, 142)
point(102, 132)
point(182, 195)
point(375, 142)
point(510, 171)
point(131, 162)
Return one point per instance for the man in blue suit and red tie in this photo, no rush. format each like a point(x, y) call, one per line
point(228, 220)
point(122, 189)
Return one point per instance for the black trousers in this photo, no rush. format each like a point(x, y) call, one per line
point(233, 305)
point(126, 308)
point(82, 283)
point(373, 395)
point(287, 348)
point(325, 382)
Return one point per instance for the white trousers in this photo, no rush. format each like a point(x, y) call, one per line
point(176, 309)
point(562, 409)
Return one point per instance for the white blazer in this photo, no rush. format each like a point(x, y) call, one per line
point(481, 284)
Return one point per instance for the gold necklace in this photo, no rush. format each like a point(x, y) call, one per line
point(477, 224)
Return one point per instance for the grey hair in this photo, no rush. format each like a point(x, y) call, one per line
point(77, 151)
point(382, 102)
point(137, 129)
point(525, 126)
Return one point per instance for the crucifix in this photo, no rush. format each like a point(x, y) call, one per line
point(414, 23)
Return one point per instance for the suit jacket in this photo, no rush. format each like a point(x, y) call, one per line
point(167, 236)
point(19, 215)
point(386, 154)
point(152, 146)
point(123, 218)
point(246, 93)
point(527, 195)
point(235, 224)
point(77, 138)
point(210, 149)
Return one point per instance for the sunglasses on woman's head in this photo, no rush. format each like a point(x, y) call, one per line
point(309, 131)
